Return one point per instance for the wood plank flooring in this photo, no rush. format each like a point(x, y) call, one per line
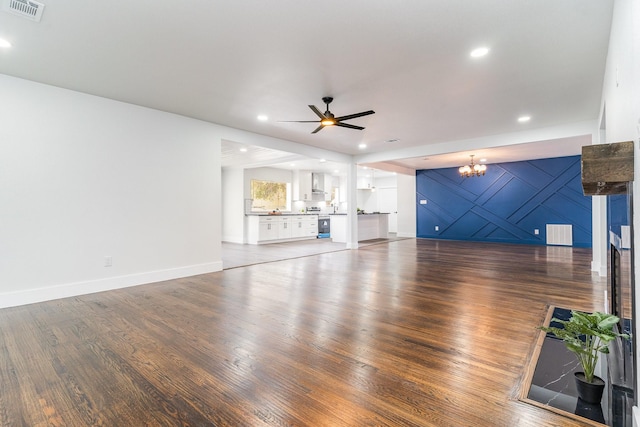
point(408, 333)
point(239, 255)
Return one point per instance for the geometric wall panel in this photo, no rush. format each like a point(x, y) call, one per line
point(508, 204)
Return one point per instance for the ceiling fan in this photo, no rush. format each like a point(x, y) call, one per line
point(328, 119)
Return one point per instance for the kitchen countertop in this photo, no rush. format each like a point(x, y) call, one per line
point(282, 214)
point(368, 213)
point(311, 214)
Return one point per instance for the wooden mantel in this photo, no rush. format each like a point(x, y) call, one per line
point(607, 168)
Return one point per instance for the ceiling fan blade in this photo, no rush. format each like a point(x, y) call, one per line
point(345, 125)
point(318, 129)
point(315, 110)
point(297, 121)
point(353, 116)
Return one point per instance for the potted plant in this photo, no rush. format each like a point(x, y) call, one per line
point(587, 335)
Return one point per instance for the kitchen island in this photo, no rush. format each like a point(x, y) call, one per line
point(370, 226)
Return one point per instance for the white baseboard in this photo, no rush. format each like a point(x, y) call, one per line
point(230, 238)
point(30, 296)
point(400, 234)
point(598, 268)
point(636, 416)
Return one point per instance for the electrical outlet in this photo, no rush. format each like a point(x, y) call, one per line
point(536, 231)
point(437, 228)
point(108, 261)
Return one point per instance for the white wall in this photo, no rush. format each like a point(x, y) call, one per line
point(621, 97)
point(621, 75)
point(369, 200)
point(233, 224)
point(83, 177)
point(406, 205)
point(386, 182)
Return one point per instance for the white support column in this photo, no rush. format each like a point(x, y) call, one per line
point(599, 228)
point(352, 204)
point(599, 236)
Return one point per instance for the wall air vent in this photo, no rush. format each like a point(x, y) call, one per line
point(26, 8)
point(560, 234)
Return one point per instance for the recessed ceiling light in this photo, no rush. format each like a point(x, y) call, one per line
point(323, 160)
point(362, 146)
point(365, 167)
point(243, 150)
point(523, 119)
point(479, 52)
point(483, 160)
point(336, 171)
point(4, 43)
point(263, 118)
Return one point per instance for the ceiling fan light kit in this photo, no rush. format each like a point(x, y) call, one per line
point(329, 119)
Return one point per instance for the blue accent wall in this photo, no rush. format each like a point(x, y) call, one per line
point(618, 212)
point(506, 204)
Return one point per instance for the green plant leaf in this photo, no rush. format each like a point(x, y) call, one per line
point(608, 322)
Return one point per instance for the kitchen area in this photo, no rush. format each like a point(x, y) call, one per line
point(281, 205)
point(316, 204)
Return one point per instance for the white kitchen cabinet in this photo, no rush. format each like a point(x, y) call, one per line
point(364, 182)
point(304, 226)
point(284, 228)
point(276, 228)
point(311, 225)
point(328, 187)
point(296, 227)
point(302, 186)
point(267, 228)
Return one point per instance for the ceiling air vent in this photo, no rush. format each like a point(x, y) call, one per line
point(26, 8)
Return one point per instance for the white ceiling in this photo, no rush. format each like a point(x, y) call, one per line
point(228, 61)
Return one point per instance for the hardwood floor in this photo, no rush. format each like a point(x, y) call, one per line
point(239, 255)
point(409, 333)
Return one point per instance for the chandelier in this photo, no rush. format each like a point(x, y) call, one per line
point(472, 169)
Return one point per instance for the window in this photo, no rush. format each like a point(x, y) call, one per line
point(270, 196)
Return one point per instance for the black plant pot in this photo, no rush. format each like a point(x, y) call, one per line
point(592, 411)
point(589, 392)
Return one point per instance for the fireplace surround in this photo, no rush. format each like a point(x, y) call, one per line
point(608, 170)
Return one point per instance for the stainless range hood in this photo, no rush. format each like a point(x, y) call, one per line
point(317, 183)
